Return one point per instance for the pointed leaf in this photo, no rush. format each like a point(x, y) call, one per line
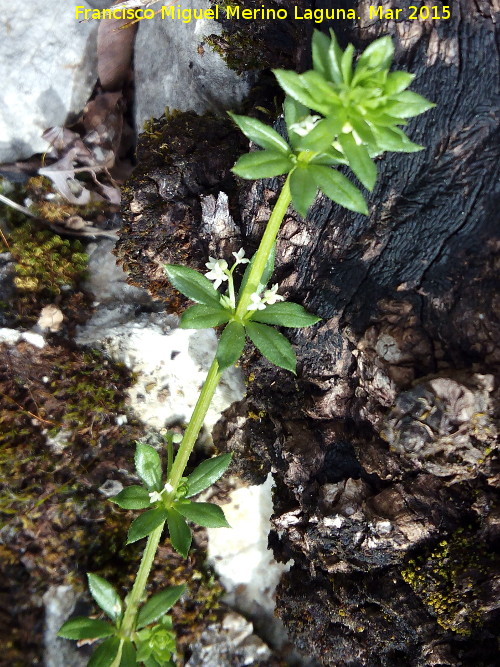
point(346, 64)
point(294, 86)
point(261, 134)
point(145, 524)
point(231, 344)
point(132, 498)
point(129, 655)
point(321, 90)
point(105, 654)
point(180, 533)
point(378, 54)
point(335, 59)
point(303, 189)
point(207, 473)
point(148, 466)
point(408, 104)
point(273, 345)
point(193, 285)
point(396, 82)
point(359, 160)
point(262, 164)
point(320, 53)
point(329, 158)
point(106, 596)
point(339, 189)
point(203, 317)
point(394, 139)
point(285, 314)
point(82, 627)
point(159, 604)
point(204, 514)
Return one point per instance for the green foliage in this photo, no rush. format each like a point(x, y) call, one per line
point(361, 108)
point(44, 261)
point(106, 596)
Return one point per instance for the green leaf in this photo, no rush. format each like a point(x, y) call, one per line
point(377, 55)
point(145, 524)
point(285, 314)
point(293, 85)
point(329, 158)
point(363, 130)
point(106, 596)
point(346, 64)
point(303, 190)
point(339, 189)
point(180, 533)
point(231, 344)
point(335, 59)
point(207, 473)
point(262, 164)
point(321, 136)
point(82, 627)
point(274, 346)
point(294, 112)
point(320, 53)
point(193, 285)
point(267, 273)
point(105, 654)
point(261, 134)
point(148, 466)
point(132, 498)
point(394, 139)
point(204, 514)
point(159, 604)
point(203, 317)
point(129, 655)
point(396, 82)
point(359, 160)
point(321, 90)
point(408, 104)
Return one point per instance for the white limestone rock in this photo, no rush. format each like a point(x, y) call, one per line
point(47, 70)
point(175, 68)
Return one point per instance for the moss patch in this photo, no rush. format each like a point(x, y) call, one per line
point(450, 579)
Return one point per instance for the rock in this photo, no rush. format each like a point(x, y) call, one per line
point(174, 67)
point(48, 70)
point(59, 603)
point(229, 643)
point(170, 363)
point(246, 567)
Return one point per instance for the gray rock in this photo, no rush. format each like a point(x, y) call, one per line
point(175, 68)
point(47, 70)
point(59, 603)
point(228, 643)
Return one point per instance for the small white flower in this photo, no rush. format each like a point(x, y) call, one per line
point(155, 496)
point(168, 488)
point(305, 125)
point(227, 302)
point(240, 257)
point(217, 270)
point(271, 296)
point(257, 302)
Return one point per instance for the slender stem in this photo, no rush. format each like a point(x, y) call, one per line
point(195, 424)
point(135, 597)
point(265, 247)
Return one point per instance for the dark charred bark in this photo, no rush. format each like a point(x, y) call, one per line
point(384, 447)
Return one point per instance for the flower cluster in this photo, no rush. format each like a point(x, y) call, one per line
point(269, 297)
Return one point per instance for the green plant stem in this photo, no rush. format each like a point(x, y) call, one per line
point(195, 424)
point(264, 250)
point(137, 592)
point(202, 405)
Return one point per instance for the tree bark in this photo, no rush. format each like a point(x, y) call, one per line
point(384, 448)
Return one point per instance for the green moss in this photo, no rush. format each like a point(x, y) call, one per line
point(449, 577)
point(44, 261)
